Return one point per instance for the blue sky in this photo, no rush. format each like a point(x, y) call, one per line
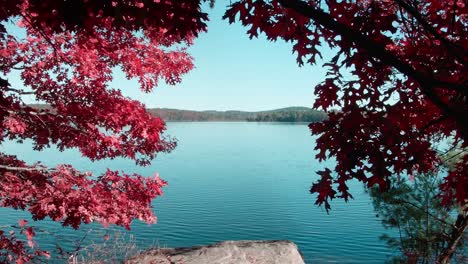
point(235, 73)
point(231, 72)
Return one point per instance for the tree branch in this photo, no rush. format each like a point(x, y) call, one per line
point(457, 234)
point(431, 123)
point(19, 91)
point(426, 82)
point(374, 49)
point(11, 168)
point(424, 210)
point(417, 15)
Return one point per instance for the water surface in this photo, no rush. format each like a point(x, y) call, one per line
point(232, 181)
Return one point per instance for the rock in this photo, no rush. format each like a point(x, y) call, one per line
point(228, 252)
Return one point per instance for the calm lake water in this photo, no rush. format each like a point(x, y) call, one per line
point(233, 181)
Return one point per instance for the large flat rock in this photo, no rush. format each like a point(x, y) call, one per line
point(228, 252)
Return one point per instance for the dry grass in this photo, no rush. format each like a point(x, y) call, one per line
point(115, 249)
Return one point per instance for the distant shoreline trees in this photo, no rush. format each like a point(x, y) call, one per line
point(289, 116)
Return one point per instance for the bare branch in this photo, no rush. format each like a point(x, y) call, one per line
point(18, 91)
point(11, 168)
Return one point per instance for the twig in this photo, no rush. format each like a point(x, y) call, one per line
point(11, 168)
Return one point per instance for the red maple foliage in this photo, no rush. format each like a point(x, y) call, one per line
point(66, 61)
point(396, 87)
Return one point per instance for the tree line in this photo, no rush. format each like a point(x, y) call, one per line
point(290, 114)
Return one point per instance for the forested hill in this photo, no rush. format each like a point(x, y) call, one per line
point(289, 114)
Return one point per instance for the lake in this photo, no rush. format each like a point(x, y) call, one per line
point(232, 181)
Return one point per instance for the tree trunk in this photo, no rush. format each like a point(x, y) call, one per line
point(457, 234)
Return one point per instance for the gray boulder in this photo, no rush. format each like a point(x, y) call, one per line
point(228, 252)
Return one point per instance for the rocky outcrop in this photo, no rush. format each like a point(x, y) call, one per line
point(228, 252)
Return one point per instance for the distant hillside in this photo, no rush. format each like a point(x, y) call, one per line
point(189, 115)
point(289, 114)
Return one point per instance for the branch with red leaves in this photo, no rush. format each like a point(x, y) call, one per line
point(394, 89)
point(66, 60)
point(14, 249)
point(71, 197)
point(380, 52)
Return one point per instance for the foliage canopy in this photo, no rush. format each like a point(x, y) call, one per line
point(396, 85)
point(66, 60)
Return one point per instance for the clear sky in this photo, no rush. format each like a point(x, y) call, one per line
point(233, 72)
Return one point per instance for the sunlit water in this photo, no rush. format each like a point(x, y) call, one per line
point(233, 181)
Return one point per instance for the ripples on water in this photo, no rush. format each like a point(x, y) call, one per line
point(232, 181)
